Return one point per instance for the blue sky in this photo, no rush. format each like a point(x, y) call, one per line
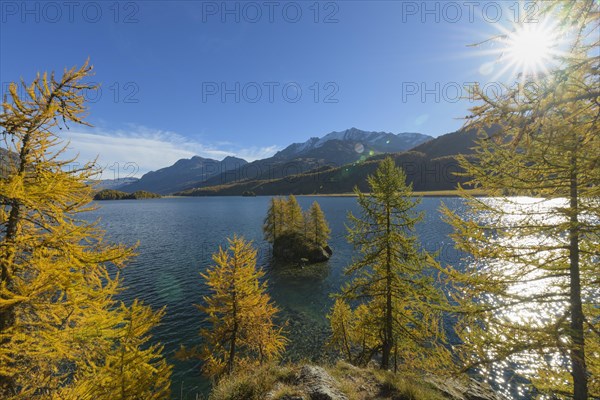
point(217, 78)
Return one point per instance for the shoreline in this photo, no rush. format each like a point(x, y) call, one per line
point(432, 193)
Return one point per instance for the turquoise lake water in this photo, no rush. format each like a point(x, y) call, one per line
point(177, 237)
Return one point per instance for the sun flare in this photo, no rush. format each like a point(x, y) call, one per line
point(531, 48)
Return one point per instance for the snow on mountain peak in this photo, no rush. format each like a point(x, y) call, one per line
point(381, 141)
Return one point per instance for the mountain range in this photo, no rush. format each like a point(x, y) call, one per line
point(332, 150)
point(334, 163)
point(380, 142)
point(429, 166)
point(185, 173)
point(101, 184)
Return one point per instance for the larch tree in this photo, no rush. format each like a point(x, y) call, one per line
point(531, 294)
point(294, 218)
point(342, 323)
point(393, 280)
point(316, 228)
point(58, 319)
point(240, 314)
point(352, 332)
point(130, 370)
point(294, 234)
point(274, 224)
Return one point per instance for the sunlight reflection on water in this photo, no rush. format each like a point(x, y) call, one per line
point(537, 240)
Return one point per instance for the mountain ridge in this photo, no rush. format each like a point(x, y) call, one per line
point(429, 166)
point(380, 141)
point(182, 173)
point(303, 157)
point(333, 149)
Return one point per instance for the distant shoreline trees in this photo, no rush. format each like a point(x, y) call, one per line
point(111, 194)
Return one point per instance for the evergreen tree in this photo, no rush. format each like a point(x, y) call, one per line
point(342, 327)
point(532, 292)
point(239, 312)
point(316, 229)
point(132, 369)
point(296, 235)
point(365, 339)
point(58, 319)
point(294, 218)
point(352, 332)
point(274, 224)
point(391, 278)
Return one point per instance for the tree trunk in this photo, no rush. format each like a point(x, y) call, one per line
point(12, 225)
point(7, 317)
point(7, 314)
point(235, 324)
point(579, 370)
point(346, 345)
point(388, 332)
point(395, 357)
point(232, 351)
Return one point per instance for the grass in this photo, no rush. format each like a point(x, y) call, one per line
point(279, 382)
point(406, 387)
point(371, 383)
point(252, 384)
point(283, 391)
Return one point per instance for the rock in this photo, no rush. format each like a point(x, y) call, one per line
point(458, 390)
point(319, 384)
point(481, 391)
point(318, 254)
point(295, 248)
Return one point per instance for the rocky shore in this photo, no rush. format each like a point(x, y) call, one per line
point(296, 249)
point(343, 381)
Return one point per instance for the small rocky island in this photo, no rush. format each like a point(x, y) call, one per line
point(297, 237)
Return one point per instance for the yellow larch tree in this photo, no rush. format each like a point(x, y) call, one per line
point(241, 331)
point(392, 280)
point(274, 224)
point(294, 218)
point(316, 228)
point(530, 296)
point(59, 322)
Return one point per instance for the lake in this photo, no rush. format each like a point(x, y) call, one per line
point(177, 237)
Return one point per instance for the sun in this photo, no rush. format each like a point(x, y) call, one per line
point(526, 51)
point(531, 48)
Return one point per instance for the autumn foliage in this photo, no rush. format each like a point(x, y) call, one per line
point(62, 333)
point(241, 331)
